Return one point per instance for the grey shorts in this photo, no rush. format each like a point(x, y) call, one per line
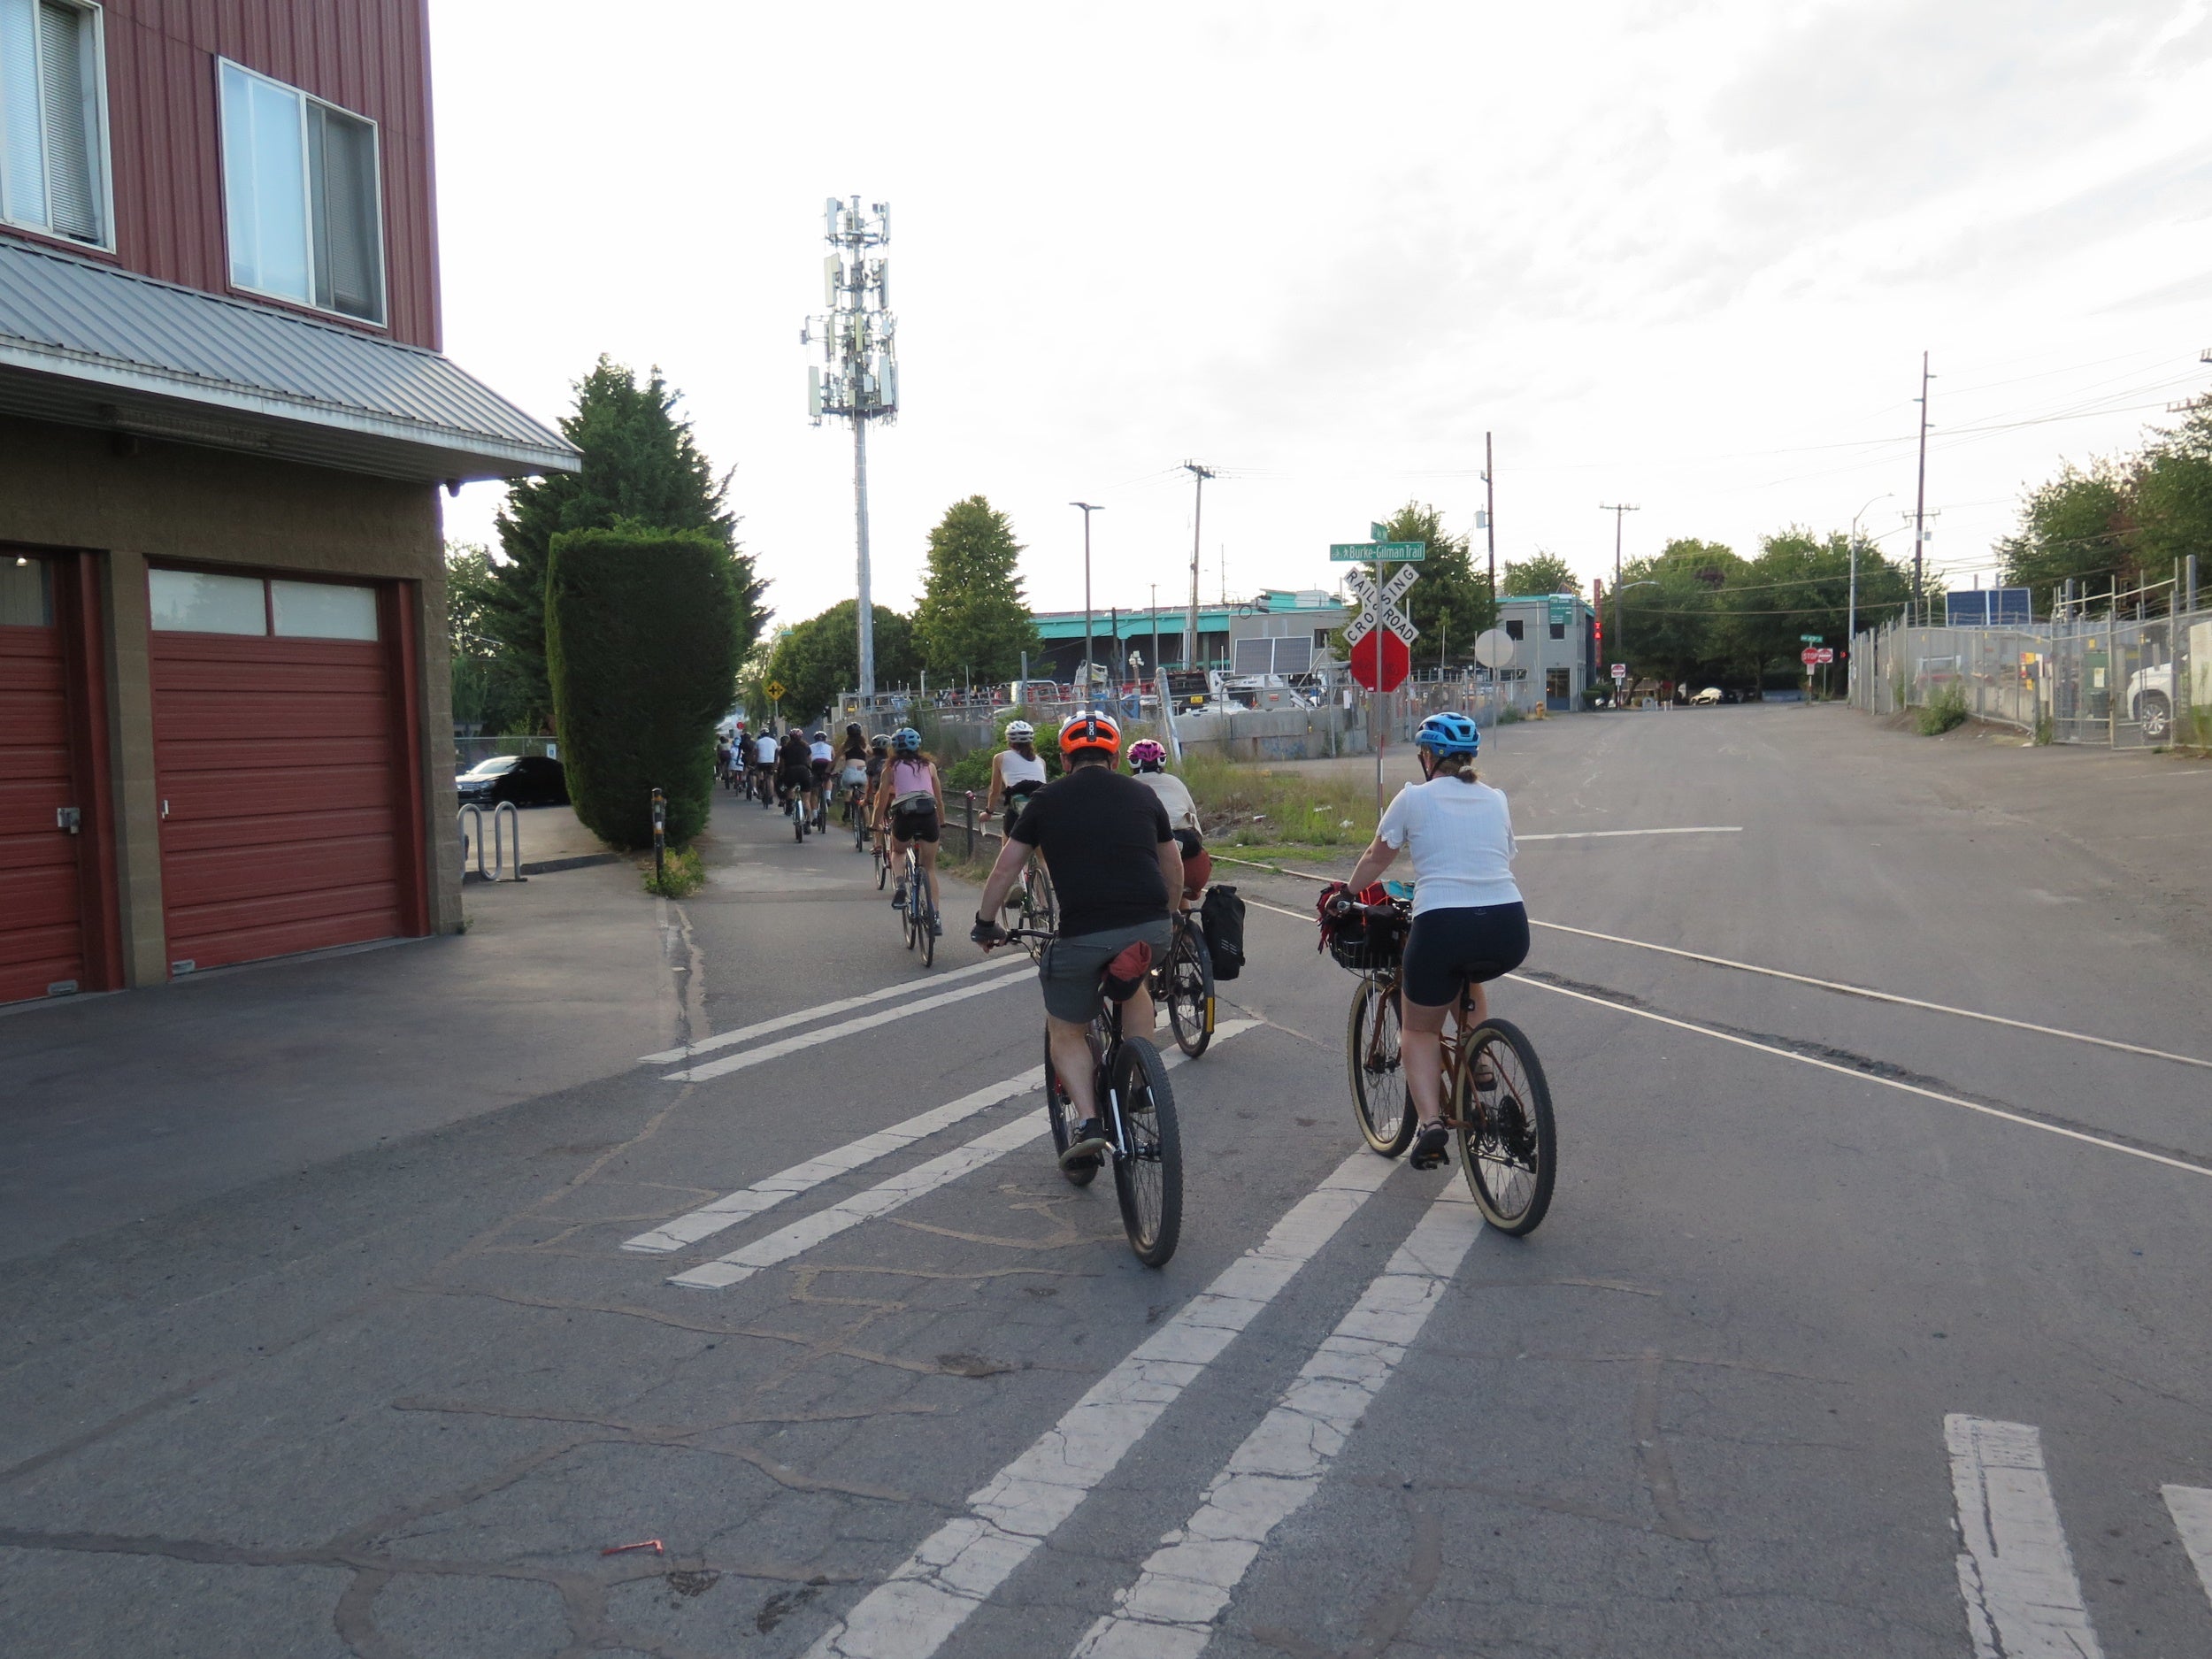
point(1069, 973)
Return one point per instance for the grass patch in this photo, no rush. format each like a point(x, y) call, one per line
point(683, 874)
point(1243, 805)
point(1946, 711)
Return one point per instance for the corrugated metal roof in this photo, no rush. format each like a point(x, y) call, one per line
point(176, 362)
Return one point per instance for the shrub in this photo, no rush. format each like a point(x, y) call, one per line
point(1945, 710)
point(973, 769)
point(642, 650)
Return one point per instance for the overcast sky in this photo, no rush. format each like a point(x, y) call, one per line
point(1680, 255)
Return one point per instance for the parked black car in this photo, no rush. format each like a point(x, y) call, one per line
point(526, 780)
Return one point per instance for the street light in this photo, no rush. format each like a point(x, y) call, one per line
point(1087, 510)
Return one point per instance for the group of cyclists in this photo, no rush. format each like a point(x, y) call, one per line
point(1124, 852)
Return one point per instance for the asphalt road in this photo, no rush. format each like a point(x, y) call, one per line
point(1857, 1326)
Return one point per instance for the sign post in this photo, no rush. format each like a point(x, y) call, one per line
point(1381, 666)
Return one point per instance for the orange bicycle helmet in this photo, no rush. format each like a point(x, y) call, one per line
point(1090, 730)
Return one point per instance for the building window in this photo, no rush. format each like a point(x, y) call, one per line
point(53, 121)
point(1513, 627)
point(300, 190)
point(26, 592)
point(1559, 630)
point(1321, 639)
point(322, 611)
point(196, 601)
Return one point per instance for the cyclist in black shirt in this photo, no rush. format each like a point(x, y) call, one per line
point(1113, 859)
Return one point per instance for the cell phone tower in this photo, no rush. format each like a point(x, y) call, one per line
point(858, 379)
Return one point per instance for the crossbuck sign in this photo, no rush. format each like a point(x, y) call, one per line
point(1378, 606)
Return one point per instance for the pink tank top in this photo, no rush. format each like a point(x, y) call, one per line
point(909, 777)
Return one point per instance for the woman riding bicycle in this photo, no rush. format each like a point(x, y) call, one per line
point(910, 799)
point(852, 769)
point(1149, 760)
point(795, 771)
point(1017, 772)
point(1469, 924)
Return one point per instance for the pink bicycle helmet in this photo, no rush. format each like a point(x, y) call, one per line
point(1147, 755)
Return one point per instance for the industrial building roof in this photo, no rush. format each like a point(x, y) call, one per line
point(86, 344)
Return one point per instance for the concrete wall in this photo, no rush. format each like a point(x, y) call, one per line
point(129, 501)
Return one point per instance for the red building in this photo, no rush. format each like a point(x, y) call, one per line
point(224, 416)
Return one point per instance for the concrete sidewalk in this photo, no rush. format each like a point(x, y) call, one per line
point(122, 1106)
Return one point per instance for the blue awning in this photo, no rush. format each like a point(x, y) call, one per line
point(86, 344)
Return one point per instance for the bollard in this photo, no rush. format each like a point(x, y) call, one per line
point(660, 838)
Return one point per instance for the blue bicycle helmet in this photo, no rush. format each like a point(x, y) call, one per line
point(906, 740)
point(1448, 734)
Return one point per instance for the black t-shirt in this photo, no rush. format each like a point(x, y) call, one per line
point(1100, 835)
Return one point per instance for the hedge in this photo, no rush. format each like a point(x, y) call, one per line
point(640, 647)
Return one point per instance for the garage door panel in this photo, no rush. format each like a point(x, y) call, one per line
point(36, 889)
point(232, 795)
point(42, 939)
point(281, 760)
point(321, 914)
point(27, 804)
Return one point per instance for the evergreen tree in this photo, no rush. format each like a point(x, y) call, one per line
point(974, 615)
point(641, 468)
point(1541, 573)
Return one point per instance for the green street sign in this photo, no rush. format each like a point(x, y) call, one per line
point(1378, 532)
point(1372, 552)
point(1811, 639)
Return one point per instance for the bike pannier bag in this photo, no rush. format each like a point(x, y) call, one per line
point(1221, 918)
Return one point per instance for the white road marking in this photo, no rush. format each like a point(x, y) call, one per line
point(1294, 915)
point(820, 1010)
point(766, 1193)
point(958, 1566)
point(1169, 1613)
point(2192, 1509)
point(886, 1196)
point(1869, 1077)
point(1849, 989)
point(1843, 987)
point(768, 1051)
point(2023, 1598)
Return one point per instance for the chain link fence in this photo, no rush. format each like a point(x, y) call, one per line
point(2126, 683)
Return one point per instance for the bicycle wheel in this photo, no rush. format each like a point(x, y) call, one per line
point(1190, 991)
point(1507, 1142)
point(883, 866)
point(1041, 908)
point(925, 918)
point(1060, 1111)
point(906, 906)
point(1379, 1101)
point(1149, 1180)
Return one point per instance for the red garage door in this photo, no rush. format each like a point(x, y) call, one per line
point(280, 757)
point(42, 922)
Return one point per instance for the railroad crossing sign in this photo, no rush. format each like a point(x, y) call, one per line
point(1813, 653)
point(1378, 610)
point(774, 688)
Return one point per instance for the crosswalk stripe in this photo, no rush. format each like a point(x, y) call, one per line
point(2023, 1596)
point(886, 1196)
point(728, 1064)
point(2192, 1509)
point(820, 1010)
point(930, 1594)
point(766, 1193)
point(1169, 1612)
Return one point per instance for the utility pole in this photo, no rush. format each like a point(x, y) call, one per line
point(859, 379)
point(1490, 519)
point(1920, 499)
point(1199, 475)
point(1089, 508)
point(1620, 512)
point(1161, 684)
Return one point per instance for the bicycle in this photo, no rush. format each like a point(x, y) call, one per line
point(794, 808)
point(879, 844)
point(1508, 1146)
point(857, 817)
point(918, 917)
point(1184, 983)
point(1032, 910)
point(1137, 1106)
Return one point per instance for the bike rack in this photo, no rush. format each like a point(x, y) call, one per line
point(506, 812)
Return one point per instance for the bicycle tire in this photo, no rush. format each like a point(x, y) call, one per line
point(1190, 991)
point(1060, 1112)
point(906, 905)
point(1381, 1104)
point(1040, 906)
point(926, 922)
point(1148, 1181)
point(1508, 1143)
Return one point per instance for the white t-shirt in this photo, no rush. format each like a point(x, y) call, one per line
point(1460, 836)
point(820, 751)
point(765, 751)
point(1182, 811)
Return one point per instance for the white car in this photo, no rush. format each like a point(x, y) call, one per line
point(1710, 695)
point(2151, 701)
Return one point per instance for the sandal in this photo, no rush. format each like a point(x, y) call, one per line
point(1431, 1147)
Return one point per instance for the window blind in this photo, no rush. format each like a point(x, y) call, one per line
point(65, 60)
point(22, 149)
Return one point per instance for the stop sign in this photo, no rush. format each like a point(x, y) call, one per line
point(1380, 661)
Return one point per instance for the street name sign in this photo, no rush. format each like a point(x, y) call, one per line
point(1374, 552)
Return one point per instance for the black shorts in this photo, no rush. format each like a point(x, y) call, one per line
point(914, 824)
point(1476, 943)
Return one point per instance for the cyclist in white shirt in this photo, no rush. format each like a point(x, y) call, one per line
point(1148, 759)
point(1469, 923)
point(1017, 772)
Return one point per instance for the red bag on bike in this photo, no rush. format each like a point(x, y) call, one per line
point(1129, 969)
